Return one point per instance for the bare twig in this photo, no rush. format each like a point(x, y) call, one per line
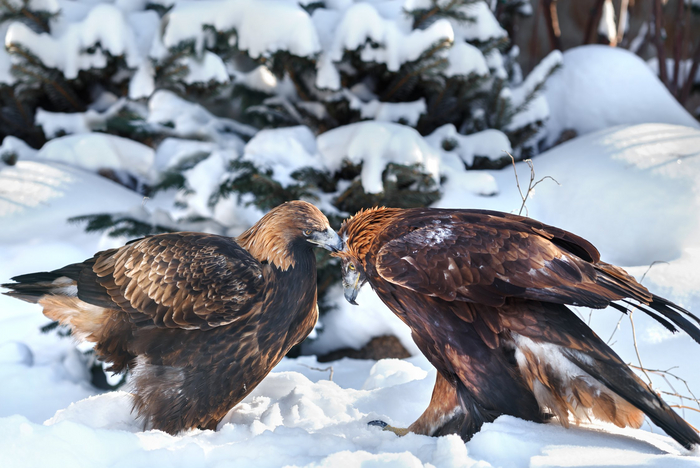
point(688, 85)
point(550, 14)
point(531, 186)
point(622, 22)
point(617, 327)
point(324, 369)
point(641, 280)
point(636, 349)
point(659, 43)
point(593, 20)
point(678, 49)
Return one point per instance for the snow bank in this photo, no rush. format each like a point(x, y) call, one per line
point(292, 420)
point(633, 191)
point(599, 87)
point(94, 151)
point(38, 197)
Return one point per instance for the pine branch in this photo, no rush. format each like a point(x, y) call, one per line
point(39, 20)
point(118, 225)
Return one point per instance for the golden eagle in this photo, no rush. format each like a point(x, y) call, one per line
point(198, 319)
point(485, 295)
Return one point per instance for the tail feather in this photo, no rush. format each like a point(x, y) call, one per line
point(33, 286)
point(621, 380)
point(633, 294)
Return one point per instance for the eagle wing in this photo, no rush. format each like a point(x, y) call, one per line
point(179, 280)
point(484, 258)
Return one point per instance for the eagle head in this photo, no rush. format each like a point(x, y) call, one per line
point(354, 276)
point(286, 228)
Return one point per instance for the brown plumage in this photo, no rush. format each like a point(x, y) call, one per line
point(485, 296)
point(199, 319)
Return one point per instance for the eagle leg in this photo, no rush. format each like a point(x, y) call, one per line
point(399, 431)
point(445, 406)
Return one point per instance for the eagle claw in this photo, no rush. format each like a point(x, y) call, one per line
point(378, 423)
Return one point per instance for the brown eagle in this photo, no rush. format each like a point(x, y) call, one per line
point(485, 295)
point(198, 319)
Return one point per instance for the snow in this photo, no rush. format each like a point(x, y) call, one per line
point(105, 24)
point(492, 144)
point(55, 123)
point(599, 87)
point(613, 183)
point(287, 26)
point(538, 108)
point(284, 150)
point(192, 121)
point(409, 112)
point(484, 28)
point(114, 153)
point(466, 59)
point(35, 194)
point(649, 179)
point(375, 144)
point(205, 70)
point(362, 22)
point(143, 83)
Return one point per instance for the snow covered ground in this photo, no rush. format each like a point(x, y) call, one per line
point(634, 191)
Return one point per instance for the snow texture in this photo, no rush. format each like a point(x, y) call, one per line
point(465, 59)
point(96, 151)
point(484, 27)
point(287, 26)
point(375, 144)
point(599, 87)
point(537, 109)
point(284, 150)
point(192, 121)
point(105, 24)
point(492, 144)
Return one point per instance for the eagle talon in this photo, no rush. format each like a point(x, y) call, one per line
point(378, 423)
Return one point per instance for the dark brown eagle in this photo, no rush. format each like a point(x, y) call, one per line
point(485, 296)
point(199, 319)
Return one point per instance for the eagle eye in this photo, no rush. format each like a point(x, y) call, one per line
point(307, 232)
point(351, 266)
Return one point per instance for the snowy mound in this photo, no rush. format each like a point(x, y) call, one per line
point(298, 418)
point(632, 191)
point(38, 198)
point(600, 86)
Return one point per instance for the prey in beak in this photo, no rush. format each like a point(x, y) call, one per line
point(328, 239)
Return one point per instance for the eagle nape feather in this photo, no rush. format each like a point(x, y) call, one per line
point(198, 319)
point(477, 285)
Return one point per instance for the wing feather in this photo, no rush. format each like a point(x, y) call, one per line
point(477, 257)
point(179, 280)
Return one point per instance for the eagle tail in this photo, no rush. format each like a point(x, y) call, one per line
point(621, 380)
point(33, 287)
point(635, 296)
point(57, 292)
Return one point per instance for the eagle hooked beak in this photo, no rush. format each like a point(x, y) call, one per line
point(351, 285)
point(328, 239)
